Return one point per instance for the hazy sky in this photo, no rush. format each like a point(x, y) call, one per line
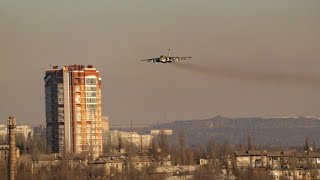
point(271, 37)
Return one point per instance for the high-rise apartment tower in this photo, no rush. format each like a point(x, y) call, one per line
point(73, 109)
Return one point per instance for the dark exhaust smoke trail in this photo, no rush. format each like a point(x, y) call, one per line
point(242, 74)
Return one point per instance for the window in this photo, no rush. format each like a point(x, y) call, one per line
point(60, 89)
point(76, 88)
point(78, 111)
point(54, 89)
point(78, 100)
point(91, 88)
point(88, 117)
point(78, 117)
point(91, 100)
point(91, 94)
point(91, 81)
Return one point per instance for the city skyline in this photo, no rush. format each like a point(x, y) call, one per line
point(271, 37)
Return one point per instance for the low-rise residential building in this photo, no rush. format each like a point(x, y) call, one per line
point(176, 172)
point(281, 159)
point(255, 158)
point(308, 158)
point(109, 165)
point(203, 161)
point(276, 159)
point(290, 164)
point(4, 154)
point(3, 132)
point(116, 137)
point(141, 162)
point(157, 132)
point(298, 174)
point(113, 164)
point(35, 162)
point(38, 161)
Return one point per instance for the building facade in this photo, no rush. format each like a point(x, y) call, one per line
point(73, 109)
point(157, 132)
point(4, 155)
point(142, 141)
point(24, 130)
point(39, 131)
point(281, 164)
point(105, 124)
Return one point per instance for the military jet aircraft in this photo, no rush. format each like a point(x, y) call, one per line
point(165, 59)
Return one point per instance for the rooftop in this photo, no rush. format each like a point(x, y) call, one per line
point(283, 153)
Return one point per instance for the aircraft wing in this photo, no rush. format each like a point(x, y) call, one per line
point(180, 58)
point(151, 60)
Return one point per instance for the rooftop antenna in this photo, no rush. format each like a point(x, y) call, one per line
point(169, 55)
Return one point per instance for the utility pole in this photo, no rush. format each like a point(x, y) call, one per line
point(12, 147)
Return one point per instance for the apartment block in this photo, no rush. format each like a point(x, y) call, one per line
point(73, 109)
point(25, 130)
point(105, 123)
point(4, 155)
point(157, 132)
point(115, 137)
point(39, 131)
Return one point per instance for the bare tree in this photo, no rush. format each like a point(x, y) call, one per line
point(163, 145)
point(204, 173)
point(21, 143)
point(314, 146)
point(155, 149)
point(307, 144)
point(213, 150)
point(239, 147)
point(107, 147)
point(182, 140)
point(120, 143)
point(250, 143)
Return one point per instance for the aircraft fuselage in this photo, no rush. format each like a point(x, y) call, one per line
point(166, 59)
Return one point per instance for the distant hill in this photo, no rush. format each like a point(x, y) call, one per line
point(265, 132)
